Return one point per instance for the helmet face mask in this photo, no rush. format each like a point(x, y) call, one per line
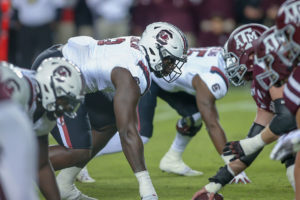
point(170, 67)
point(266, 57)
point(288, 27)
point(66, 102)
point(60, 86)
point(289, 50)
point(235, 71)
point(166, 50)
point(269, 77)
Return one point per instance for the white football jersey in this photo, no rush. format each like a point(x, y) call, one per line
point(209, 64)
point(43, 125)
point(97, 58)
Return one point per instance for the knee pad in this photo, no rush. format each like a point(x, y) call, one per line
point(283, 121)
point(187, 126)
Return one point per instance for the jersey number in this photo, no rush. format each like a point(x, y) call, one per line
point(111, 41)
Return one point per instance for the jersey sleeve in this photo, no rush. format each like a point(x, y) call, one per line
point(215, 83)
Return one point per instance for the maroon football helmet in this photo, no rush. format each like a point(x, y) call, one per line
point(274, 70)
point(288, 27)
point(239, 52)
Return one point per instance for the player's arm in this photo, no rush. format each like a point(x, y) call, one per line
point(235, 167)
point(47, 181)
point(207, 107)
point(283, 121)
point(125, 103)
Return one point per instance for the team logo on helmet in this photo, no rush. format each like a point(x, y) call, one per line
point(61, 73)
point(292, 13)
point(8, 87)
point(163, 36)
point(244, 38)
point(271, 43)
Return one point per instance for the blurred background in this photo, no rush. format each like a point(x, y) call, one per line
point(30, 26)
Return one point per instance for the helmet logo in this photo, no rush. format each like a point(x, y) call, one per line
point(292, 13)
point(163, 36)
point(61, 73)
point(271, 43)
point(245, 38)
point(9, 87)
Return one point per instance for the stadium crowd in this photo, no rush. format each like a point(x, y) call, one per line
point(62, 62)
point(39, 24)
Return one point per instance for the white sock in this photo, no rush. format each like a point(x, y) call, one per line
point(180, 142)
point(145, 184)
point(67, 176)
point(114, 145)
point(251, 145)
point(290, 175)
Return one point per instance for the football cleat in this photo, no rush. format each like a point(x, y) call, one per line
point(173, 163)
point(71, 192)
point(150, 197)
point(84, 176)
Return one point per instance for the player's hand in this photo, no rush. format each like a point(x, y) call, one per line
point(233, 148)
point(286, 145)
point(203, 190)
point(240, 178)
point(150, 197)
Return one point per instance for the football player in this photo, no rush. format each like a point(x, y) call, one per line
point(117, 72)
point(288, 27)
point(16, 131)
point(193, 96)
point(279, 119)
point(55, 89)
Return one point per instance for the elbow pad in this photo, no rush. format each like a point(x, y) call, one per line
point(283, 121)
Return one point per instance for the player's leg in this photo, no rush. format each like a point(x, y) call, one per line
point(146, 110)
point(72, 153)
point(187, 127)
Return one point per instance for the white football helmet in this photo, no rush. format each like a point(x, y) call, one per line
point(166, 49)
point(13, 85)
point(61, 86)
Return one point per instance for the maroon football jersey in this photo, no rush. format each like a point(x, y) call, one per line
point(292, 91)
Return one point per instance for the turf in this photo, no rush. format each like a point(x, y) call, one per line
point(115, 180)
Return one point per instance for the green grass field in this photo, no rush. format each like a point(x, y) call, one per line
point(115, 180)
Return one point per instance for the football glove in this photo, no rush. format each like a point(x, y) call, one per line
point(286, 145)
point(240, 178)
point(233, 148)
